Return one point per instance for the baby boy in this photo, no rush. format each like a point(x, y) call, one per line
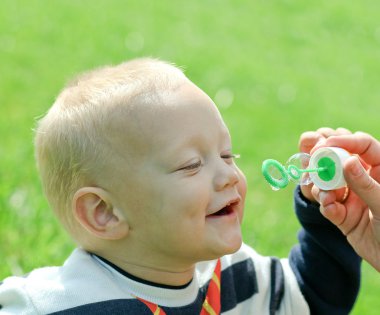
point(138, 166)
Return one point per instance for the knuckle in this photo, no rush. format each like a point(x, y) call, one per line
point(343, 131)
point(326, 131)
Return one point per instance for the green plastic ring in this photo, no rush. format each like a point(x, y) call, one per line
point(294, 172)
point(274, 182)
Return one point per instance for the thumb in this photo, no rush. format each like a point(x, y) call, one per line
point(362, 184)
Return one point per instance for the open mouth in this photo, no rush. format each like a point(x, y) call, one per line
point(224, 211)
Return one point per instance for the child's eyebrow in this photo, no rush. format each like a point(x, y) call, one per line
point(203, 141)
point(195, 140)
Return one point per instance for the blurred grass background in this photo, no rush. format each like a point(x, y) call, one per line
point(275, 68)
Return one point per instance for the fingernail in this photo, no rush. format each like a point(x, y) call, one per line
point(320, 142)
point(322, 196)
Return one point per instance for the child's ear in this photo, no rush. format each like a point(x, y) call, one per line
point(93, 209)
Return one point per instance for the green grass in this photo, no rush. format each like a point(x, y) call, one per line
point(290, 66)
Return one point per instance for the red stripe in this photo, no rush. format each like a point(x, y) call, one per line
point(213, 292)
point(212, 296)
point(153, 307)
point(204, 312)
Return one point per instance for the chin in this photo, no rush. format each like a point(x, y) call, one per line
point(236, 246)
point(227, 249)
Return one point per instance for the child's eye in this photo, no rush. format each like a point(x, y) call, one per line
point(192, 166)
point(230, 156)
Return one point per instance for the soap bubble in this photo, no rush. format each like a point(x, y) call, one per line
point(296, 170)
point(295, 164)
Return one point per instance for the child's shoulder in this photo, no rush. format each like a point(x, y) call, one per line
point(77, 261)
point(44, 288)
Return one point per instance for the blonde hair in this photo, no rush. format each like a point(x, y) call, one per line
point(73, 149)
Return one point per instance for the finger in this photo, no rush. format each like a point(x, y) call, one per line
point(327, 197)
point(306, 191)
point(342, 194)
point(367, 147)
point(308, 140)
point(346, 216)
point(326, 132)
point(330, 208)
point(374, 171)
point(356, 235)
point(342, 131)
point(375, 226)
point(315, 193)
point(355, 210)
point(335, 212)
point(363, 185)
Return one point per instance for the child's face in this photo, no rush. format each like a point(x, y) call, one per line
point(184, 195)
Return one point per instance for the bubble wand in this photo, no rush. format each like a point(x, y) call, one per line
point(324, 168)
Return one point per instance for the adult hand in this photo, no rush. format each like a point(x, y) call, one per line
point(308, 142)
point(358, 215)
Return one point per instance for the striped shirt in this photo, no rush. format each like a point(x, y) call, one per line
point(250, 283)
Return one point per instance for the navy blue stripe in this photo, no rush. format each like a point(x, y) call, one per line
point(277, 284)
point(1, 282)
point(238, 283)
point(133, 306)
point(114, 307)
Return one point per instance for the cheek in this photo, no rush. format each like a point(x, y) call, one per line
point(183, 214)
point(143, 202)
point(242, 184)
point(187, 202)
point(191, 200)
point(242, 189)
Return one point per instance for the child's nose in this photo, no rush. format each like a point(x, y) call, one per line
point(226, 176)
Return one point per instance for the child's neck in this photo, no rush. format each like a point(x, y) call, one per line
point(155, 275)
